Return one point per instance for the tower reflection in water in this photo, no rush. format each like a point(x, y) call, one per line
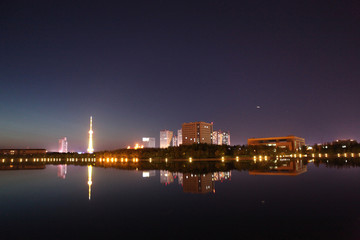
point(89, 179)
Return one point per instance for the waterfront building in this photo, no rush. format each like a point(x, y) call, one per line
point(148, 142)
point(345, 142)
point(291, 143)
point(22, 151)
point(165, 138)
point(63, 145)
point(197, 132)
point(179, 137)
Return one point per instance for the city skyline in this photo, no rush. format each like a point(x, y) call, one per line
point(222, 137)
point(258, 69)
point(231, 118)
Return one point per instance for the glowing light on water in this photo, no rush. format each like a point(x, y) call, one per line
point(89, 179)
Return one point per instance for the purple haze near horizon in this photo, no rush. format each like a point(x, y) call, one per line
point(142, 66)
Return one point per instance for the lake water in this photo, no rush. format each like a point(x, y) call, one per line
point(80, 202)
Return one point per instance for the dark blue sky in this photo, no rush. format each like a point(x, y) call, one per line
point(142, 66)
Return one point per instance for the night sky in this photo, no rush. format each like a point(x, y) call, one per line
point(141, 66)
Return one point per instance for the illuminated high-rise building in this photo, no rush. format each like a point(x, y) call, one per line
point(179, 137)
point(215, 138)
point(221, 138)
point(63, 145)
point(148, 142)
point(175, 141)
point(226, 138)
point(197, 132)
point(90, 148)
point(165, 138)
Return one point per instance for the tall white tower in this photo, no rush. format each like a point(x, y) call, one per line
point(90, 148)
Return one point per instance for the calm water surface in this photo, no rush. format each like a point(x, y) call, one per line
point(79, 202)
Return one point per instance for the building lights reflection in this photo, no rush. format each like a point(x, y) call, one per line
point(62, 170)
point(193, 182)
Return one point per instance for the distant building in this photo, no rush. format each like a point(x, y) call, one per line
point(22, 151)
point(148, 142)
point(197, 132)
point(291, 143)
point(345, 142)
point(221, 138)
point(226, 138)
point(165, 138)
point(175, 141)
point(215, 136)
point(63, 145)
point(179, 137)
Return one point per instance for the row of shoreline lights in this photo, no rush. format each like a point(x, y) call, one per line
point(52, 160)
point(112, 160)
point(260, 157)
point(316, 155)
point(107, 160)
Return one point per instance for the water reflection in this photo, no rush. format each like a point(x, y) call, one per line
point(194, 182)
point(195, 177)
point(89, 180)
point(62, 170)
point(151, 173)
point(321, 199)
point(285, 168)
point(198, 183)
